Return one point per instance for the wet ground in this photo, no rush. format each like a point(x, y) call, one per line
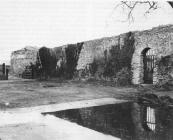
point(127, 121)
point(29, 93)
point(19, 93)
point(29, 123)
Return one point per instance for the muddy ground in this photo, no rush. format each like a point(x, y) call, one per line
point(16, 93)
point(19, 93)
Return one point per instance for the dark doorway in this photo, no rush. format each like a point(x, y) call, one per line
point(149, 63)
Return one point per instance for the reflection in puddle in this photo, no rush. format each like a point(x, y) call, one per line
point(128, 121)
point(151, 118)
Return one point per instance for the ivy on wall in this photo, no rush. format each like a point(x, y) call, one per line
point(72, 56)
point(46, 62)
point(165, 72)
point(117, 63)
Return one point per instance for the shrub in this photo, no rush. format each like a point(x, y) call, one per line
point(165, 66)
point(123, 77)
point(165, 83)
point(120, 56)
point(72, 56)
point(46, 61)
point(116, 64)
point(93, 67)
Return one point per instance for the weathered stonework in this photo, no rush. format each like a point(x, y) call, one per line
point(22, 58)
point(94, 49)
point(160, 40)
point(60, 51)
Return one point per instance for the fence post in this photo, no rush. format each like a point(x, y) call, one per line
point(3, 68)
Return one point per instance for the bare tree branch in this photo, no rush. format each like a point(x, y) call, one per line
point(131, 5)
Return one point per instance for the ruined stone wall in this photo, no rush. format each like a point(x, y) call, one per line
point(59, 61)
point(94, 49)
point(22, 58)
point(160, 40)
point(60, 51)
point(104, 59)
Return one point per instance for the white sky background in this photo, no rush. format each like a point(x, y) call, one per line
point(52, 23)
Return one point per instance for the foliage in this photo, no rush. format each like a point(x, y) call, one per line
point(116, 64)
point(123, 77)
point(72, 56)
point(47, 59)
point(165, 68)
point(93, 67)
point(120, 56)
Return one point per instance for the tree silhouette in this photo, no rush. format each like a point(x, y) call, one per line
point(131, 5)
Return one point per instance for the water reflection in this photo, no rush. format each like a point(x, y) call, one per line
point(150, 118)
point(128, 121)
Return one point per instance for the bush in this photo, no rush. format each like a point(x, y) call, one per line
point(165, 67)
point(123, 77)
point(120, 56)
point(72, 55)
point(165, 84)
point(46, 61)
point(115, 65)
point(93, 67)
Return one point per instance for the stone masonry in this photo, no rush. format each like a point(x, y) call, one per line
point(159, 40)
point(20, 59)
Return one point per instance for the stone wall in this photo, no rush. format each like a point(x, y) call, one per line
point(160, 40)
point(94, 49)
point(59, 61)
point(102, 59)
point(20, 59)
point(60, 51)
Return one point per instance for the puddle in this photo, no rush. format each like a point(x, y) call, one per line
point(127, 121)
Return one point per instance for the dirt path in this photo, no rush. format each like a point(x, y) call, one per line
point(29, 123)
point(38, 96)
point(26, 93)
point(48, 127)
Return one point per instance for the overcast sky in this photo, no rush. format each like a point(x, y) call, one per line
point(53, 23)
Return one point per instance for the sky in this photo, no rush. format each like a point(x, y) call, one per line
point(53, 23)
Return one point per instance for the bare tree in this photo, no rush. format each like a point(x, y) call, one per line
point(131, 5)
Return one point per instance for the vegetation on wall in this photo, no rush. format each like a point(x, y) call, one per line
point(165, 72)
point(116, 64)
point(46, 62)
point(123, 77)
point(72, 56)
point(48, 59)
point(61, 61)
point(93, 67)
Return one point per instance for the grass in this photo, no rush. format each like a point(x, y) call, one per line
point(26, 93)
